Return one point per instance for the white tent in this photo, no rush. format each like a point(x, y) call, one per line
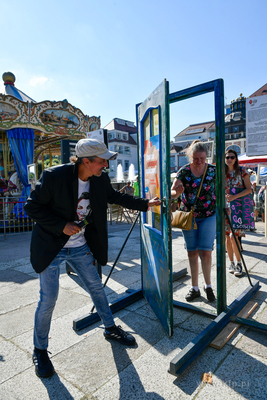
point(243, 159)
point(259, 162)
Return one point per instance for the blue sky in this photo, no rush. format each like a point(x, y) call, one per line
point(105, 56)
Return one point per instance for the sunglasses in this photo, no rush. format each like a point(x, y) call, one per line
point(230, 157)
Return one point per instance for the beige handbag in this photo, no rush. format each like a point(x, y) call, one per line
point(183, 219)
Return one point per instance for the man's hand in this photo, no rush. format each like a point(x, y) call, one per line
point(154, 202)
point(71, 229)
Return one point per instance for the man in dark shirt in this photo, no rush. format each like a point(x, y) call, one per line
point(69, 206)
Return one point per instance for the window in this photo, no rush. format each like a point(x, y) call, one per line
point(226, 130)
point(119, 149)
point(127, 150)
point(118, 135)
point(182, 160)
point(236, 129)
point(126, 165)
point(237, 149)
point(119, 162)
point(125, 136)
point(112, 166)
point(110, 136)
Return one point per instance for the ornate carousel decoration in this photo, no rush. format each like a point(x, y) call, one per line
point(51, 121)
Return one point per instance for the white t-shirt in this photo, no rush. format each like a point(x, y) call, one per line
point(83, 208)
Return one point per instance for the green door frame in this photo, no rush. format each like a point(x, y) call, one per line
point(224, 314)
point(217, 87)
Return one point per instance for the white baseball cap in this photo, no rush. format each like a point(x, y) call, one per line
point(93, 147)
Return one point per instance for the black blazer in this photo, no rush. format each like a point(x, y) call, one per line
point(53, 203)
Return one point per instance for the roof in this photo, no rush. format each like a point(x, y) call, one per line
point(260, 92)
point(129, 141)
point(175, 148)
point(11, 90)
point(121, 125)
point(197, 128)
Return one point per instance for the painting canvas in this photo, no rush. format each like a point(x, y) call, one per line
point(60, 118)
point(242, 211)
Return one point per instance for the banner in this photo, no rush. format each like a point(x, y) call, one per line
point(242, 211)
point(256, 126)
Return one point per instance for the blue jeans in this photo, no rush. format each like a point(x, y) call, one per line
point(82, 263)
point(203, 237)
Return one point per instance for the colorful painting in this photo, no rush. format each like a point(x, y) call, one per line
point(60, 118)
point(242, 212)
point(156, 252)
point(155, 279)
point(93, 127)
point(7, 112)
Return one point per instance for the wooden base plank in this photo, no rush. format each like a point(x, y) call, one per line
point(232, 327)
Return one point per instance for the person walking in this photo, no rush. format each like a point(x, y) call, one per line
point(136, 187)
point(69, 206)
point(238, 178)
point(128, 189)
point(198, 242)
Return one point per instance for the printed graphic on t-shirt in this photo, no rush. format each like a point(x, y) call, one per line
point(83, 209)
point(83, 206)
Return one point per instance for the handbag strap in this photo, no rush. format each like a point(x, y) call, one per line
point(200, 187)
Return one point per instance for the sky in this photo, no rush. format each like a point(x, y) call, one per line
point(106, 56)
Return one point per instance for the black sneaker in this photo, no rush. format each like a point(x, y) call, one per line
point(210, 294)
point(117, 333)
point(43, 366)
point(192, 294)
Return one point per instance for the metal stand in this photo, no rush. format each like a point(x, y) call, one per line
point(131, 297)
point(193, 349)
point(135, 295)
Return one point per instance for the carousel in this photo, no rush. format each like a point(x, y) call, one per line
point(31, 131)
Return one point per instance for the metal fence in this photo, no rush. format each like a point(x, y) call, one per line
point(13, 218)
point(12, 215)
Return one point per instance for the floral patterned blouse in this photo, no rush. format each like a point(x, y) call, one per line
point(232, 181)
point(206, 203)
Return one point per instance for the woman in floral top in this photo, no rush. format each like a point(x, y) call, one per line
point(198, 242)
point(235, 177)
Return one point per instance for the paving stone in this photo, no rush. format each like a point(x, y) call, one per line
point(13, 361)
point(89, 367)
point(27, 386)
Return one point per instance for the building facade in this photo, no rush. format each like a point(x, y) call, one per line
point(122, 138)
point(235, 131)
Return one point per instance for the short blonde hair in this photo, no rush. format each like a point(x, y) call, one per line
point(196, 147)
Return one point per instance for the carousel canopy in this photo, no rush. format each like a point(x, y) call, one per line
point(51, 121)
point(10, 89)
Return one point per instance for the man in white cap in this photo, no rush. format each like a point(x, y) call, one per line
point(69, 206)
